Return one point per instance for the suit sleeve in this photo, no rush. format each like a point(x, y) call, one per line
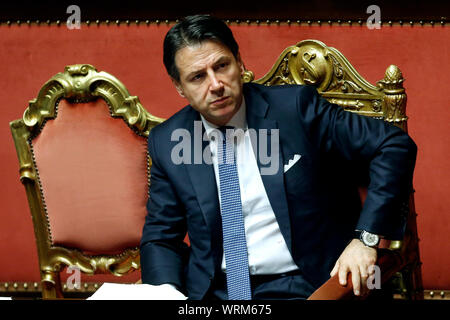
point(388, 152)
point(163, 251)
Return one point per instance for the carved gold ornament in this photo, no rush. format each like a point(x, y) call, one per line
point(80, 83)
point(311, 62)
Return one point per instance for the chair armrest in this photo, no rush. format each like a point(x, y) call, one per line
point(389, 262)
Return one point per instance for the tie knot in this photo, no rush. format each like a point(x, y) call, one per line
point(223, 129)
point(226, 131)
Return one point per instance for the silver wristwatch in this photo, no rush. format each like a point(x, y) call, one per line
point(369, 239)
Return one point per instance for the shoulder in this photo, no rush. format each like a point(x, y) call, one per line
point(287, 99)
point(179, 120)
point(286, 91)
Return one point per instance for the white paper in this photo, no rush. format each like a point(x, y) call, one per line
point(120, 291)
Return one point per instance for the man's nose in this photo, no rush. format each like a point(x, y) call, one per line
point(215, 83)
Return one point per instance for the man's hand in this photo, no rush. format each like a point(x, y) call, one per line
point(356, 258)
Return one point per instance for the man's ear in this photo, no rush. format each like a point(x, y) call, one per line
point(179, 88)
point(240, 63)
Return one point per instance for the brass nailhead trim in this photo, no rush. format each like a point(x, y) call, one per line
point(319, 22)
point(17, 287)
point(247, 21)
point(437, 294)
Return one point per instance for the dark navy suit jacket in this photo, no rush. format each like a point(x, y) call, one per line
point(315, 202)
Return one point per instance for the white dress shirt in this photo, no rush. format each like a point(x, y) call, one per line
point(266, 247)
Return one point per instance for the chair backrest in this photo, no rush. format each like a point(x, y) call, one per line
point(83, 160)
point(311, 62)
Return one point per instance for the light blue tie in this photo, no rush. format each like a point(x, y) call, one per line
point(234, 243)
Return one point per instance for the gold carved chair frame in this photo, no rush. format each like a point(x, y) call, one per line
point(78, 83)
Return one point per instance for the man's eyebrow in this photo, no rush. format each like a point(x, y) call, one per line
point(222, 59)
point(193, 73)
point(218, 61)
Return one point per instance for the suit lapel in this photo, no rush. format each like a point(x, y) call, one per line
point(257, 109)
point(204, 182)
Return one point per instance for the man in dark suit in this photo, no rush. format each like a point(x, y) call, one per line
point(260, 226)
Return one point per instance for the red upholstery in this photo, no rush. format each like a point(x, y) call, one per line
point(93, 173)
point(362, 194)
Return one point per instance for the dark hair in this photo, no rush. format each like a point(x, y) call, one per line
point(194, 30)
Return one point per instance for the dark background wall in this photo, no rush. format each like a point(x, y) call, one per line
point(324, 10)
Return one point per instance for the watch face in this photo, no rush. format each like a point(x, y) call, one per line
point(369, 239)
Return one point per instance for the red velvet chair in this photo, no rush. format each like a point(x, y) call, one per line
point(312, 62)
point(83, 159)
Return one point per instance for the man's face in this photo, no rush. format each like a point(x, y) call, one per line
point(210, 79)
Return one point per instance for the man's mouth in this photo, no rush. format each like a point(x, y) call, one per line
point(220, 101)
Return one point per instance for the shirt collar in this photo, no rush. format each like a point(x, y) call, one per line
point(239, 120)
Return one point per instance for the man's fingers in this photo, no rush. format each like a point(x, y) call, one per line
point(359, 278)
point(364, 273)
point(356, 280)
point(343, 271)
point(335, 269)
point(364, 276)
point(371, 269)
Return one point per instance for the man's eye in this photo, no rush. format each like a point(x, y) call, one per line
point(196, 77)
